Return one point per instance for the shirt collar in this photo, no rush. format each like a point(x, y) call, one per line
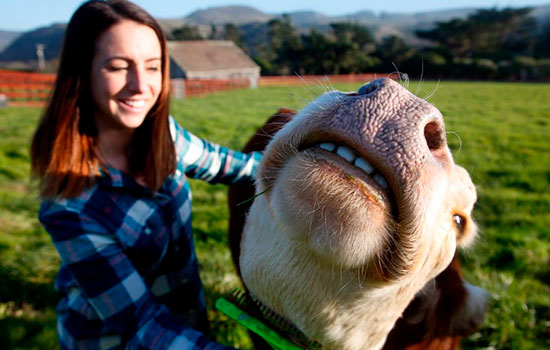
point(114, 178)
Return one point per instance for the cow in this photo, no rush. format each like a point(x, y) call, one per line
point(341, 241)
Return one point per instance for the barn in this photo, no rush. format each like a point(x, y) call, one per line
point(210, 60)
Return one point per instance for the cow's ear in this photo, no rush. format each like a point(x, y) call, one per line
point(266, 132)
point(287, 112)
point(278, 120)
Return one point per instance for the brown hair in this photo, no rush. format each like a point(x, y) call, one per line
point(63, 150)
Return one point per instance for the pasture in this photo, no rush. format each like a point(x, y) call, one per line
point(499, 131)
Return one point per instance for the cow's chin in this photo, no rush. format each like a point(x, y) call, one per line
point(341, 214)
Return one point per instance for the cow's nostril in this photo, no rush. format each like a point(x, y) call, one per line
point(434, 133)
point(367, 88)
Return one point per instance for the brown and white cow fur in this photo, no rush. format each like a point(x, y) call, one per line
point(361, 207)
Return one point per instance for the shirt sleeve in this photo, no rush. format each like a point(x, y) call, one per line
point(201, 159)
point(115, 290)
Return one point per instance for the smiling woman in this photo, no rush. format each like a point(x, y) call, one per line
point(113, 169)
point(106, 51)
point(126, 85)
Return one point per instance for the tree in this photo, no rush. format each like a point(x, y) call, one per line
point(187, 33)
point(452, 38)
point(213, 32)
point(286, 45)
point(394, 52)
point(317, 53)
point(352, 45)
point(354, 34)
point(232, 32)
point(542, 45)
point(488, 33)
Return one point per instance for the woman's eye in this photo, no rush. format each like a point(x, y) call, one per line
point(153, 69)
point(117, 68)
point(460, 223)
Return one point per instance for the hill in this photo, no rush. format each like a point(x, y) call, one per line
point(23, 48)
point(227, 14)
point(308, 19)
point(7, 37)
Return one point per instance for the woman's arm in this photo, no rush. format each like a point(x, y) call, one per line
point(201, 159)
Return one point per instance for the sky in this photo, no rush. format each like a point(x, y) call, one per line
point(23, 15)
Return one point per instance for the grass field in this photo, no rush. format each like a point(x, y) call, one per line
point(500, 132)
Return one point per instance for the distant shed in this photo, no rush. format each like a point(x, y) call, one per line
point(211, 59)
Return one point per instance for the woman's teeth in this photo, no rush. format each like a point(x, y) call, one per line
point(135, 103)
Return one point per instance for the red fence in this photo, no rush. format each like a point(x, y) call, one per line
point(201, 87)
point(25, 89)
point(33, 89)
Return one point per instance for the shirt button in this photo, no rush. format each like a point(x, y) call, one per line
point(177, 248)
point(147, 230)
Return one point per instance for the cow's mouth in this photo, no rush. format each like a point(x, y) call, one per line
point(355, 169)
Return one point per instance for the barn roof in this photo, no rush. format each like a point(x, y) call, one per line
point(209, 55)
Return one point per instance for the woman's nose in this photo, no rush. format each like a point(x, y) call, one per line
point(137, 79)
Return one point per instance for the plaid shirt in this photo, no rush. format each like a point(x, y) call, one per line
point(129, 274)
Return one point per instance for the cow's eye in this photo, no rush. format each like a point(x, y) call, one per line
point(460, 223)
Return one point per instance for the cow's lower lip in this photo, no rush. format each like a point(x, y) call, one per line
point(348, 173)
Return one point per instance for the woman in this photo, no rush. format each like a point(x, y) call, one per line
point(113, 170)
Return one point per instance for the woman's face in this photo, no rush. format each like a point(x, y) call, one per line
point(126, 75)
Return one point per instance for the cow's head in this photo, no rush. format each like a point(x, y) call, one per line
point(361, 206)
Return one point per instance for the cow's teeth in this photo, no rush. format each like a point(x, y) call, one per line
point(362, 164)
point(346, 153)
point(380, 180)
point(327, 146)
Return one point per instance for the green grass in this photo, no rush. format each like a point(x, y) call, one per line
point(500, 132)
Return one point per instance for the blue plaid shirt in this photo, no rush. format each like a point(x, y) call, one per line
point(129, 274)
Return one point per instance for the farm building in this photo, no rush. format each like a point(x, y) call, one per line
point(210, 60)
